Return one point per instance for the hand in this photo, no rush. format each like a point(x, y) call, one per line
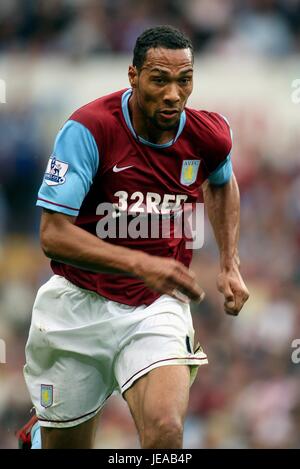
point(231, 284)
point(169, 277)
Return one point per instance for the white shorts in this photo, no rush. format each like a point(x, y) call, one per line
point(83, 347)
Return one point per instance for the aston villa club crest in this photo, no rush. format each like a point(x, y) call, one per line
point(46, 395)
point(55, 172)
point(189, 171)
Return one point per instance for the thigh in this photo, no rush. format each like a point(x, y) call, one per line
point(79, 437)
point(162, 393)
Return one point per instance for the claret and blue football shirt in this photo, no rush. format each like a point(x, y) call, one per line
point(98, 158)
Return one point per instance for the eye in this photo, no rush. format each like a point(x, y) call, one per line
point(185, 80)
point(159, 80)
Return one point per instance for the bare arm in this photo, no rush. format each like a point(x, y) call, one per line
point(63, 241)
point(223, 208)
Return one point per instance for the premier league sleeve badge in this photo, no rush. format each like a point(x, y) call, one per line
point(55, 172)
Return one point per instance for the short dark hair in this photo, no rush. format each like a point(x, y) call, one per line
point(167, 37)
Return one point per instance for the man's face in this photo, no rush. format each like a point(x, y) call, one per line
point(163, 85)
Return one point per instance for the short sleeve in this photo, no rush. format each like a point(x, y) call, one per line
point(70, 170)
point(222, 174)
point(218, 163)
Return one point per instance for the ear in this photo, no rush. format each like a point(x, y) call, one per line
point(132, 75)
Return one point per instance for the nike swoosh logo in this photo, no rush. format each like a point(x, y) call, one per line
point(117, 170)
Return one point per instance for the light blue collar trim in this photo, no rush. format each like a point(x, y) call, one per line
point(125, 99)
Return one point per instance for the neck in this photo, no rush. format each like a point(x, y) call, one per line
point(144, 127)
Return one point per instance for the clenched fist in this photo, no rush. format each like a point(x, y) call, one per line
point(231, 284)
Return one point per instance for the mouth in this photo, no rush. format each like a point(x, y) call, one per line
point(169, 113)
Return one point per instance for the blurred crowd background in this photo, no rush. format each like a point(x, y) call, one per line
point(58, 54)
point(80, 27)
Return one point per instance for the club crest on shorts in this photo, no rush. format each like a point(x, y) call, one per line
point(55, 172)
point(46, 395)
point(189, 171)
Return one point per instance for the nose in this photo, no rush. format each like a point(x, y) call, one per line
point(172, 96)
